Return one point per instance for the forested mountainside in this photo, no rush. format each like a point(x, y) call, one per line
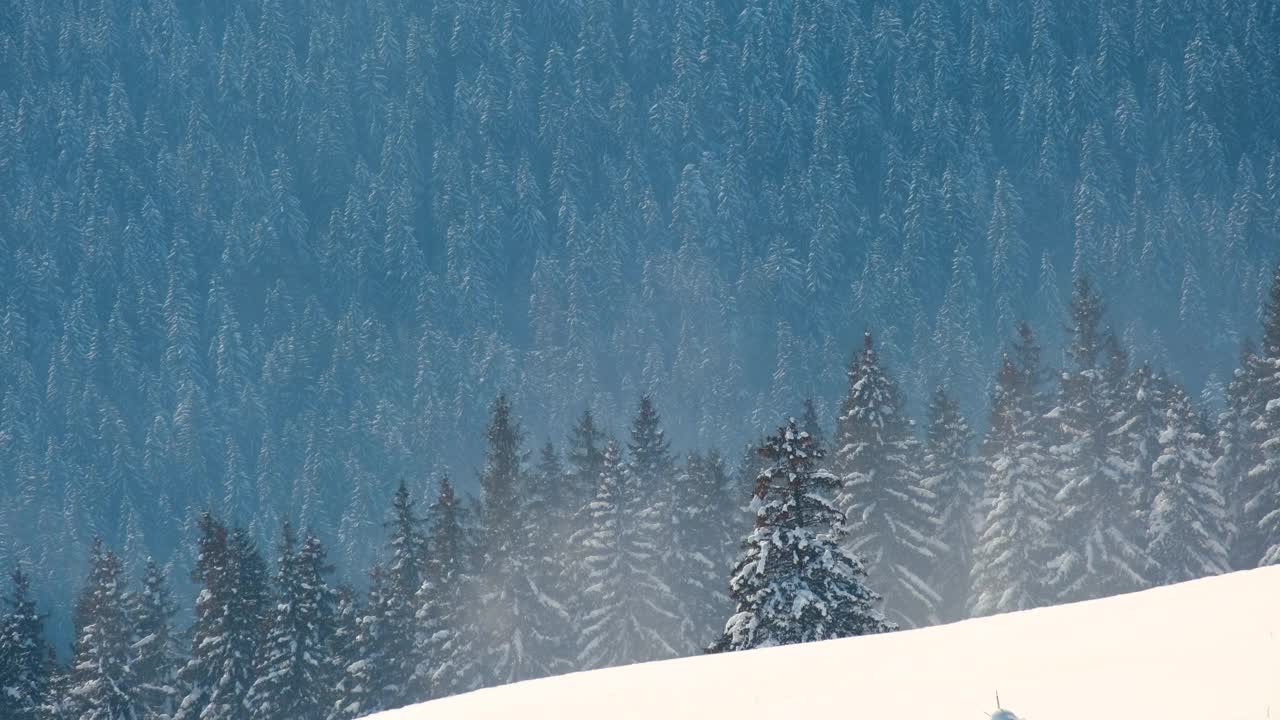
point(270, 258)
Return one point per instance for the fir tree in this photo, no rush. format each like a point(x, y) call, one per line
point(446, 634)
point(626, 601)
point(296, 669)
point(891, 514)
point(1239, 451)
point(523, 626)
point(229, 618)
point(362, 690)
point(950, 473)
point(1098, 525)
point(155, 658)
point(407, 548)
point(343, 647)
point(26, 660)
point(1008, 569)
point(701, 533)
point(794, 581)
point(101, 684)
point(1264, 477)
point(1188, 526)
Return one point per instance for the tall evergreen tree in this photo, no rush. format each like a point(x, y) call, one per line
point(446, 635)
point(701, 531)
point(1239, 451)
point(101, 684)
point(1098, 525)
point(154, 659)
point(626, 600)
point(397, 604)
point(362, 689)
point(1016, 509)
point(26, 660)
point(296, 668)
point(523, 626)
point(1188, 526)
point(950, 472)
point(1265, 476)
point(795, 582)
point(229, 618)
point(891, 514)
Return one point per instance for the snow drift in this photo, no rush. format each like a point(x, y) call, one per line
point(1203, 650)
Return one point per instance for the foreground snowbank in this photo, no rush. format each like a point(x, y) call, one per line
point(1204, 650)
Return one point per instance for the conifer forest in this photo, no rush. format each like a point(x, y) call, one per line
point(355, 353)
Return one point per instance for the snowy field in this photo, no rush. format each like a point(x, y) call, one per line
point(1205, 650)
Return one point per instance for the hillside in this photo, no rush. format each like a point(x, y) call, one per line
point(1199, 650)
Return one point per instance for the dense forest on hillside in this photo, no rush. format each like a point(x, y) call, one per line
point(270, 259)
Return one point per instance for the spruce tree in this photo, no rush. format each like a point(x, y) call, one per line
point(296, 668)
point(1188, 524)
point(446, 632)
point(795, 582)
point(26, 660)
point(229, 610)
point(1239, 452)
point(362, 690)
point(702, 530)
point(651, 474)
point(155, 658)
point(950, 473)
point(407, 548)
point(343, 647)
point(101, 684)
point(1103, 548)
point(1264, 477)
point(891, 514)
point(626, 600)
point(523, 627)
point(1008, 568)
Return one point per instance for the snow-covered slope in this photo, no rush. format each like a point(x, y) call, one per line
point(1204, 650)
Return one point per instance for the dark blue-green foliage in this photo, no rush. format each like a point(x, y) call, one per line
point(271, 257)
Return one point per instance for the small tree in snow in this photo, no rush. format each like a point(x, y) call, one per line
point(794, 582)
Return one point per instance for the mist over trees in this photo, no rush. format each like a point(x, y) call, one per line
point(268, 261)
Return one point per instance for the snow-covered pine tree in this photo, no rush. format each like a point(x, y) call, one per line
point(584, 461)
point(1239, 451)
point(407, 547)
point(229, 617)
point(154, 657)
point(523, 626)
point(296, 668)
point(951, 473)
point(891, 516)
point(548, 516)
point(1008, 569)
point(701, 531)
point(1264, 477)
point(626, 601)
point(362, 691)
point(101, 684)
point(1188, 522)
point(795, 582)
point(1098, 526)
point(343, 645)
point(651, 474)
point(446, 633)
point(26, 660)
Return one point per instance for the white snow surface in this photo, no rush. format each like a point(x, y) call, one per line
point(1203, 650)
